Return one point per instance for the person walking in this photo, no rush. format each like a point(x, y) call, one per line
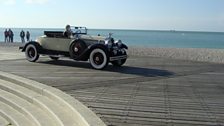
point(11, 35)
point(28, 36)
point(22, 35)
point(6, 34)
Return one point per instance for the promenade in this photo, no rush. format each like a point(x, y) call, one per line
point(145, 91)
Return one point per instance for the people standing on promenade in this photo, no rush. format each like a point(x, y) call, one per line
point(22, 35)
point(11, 35)
point(6, 34)
point(28, 36)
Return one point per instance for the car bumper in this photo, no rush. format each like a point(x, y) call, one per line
point(118, 57)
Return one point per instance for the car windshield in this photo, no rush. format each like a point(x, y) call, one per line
point(79, 30)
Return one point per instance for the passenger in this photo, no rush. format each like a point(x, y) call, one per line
point(68, 32)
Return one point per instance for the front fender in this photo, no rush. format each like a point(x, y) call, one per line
point(124, 46)
point(89, 49)
point(101, 46)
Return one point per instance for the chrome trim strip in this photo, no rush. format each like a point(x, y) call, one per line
point(118, 57)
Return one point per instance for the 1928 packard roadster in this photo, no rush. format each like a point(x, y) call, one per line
point(98, 50)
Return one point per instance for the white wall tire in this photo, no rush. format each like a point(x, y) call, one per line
point(98, 59)
point(31, 53)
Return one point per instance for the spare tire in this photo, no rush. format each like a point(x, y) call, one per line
point(77, 48)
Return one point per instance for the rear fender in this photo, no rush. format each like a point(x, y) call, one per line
point(37, 45)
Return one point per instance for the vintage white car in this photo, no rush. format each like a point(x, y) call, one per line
point(80, 46)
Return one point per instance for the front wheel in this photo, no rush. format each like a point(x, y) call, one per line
point(98, 59)
point(119, 62)
point(32, 54)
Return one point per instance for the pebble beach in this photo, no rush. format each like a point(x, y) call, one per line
point(192, 54)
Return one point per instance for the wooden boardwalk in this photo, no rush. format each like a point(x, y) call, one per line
point(146, 91)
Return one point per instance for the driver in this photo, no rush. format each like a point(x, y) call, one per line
point(68, 32)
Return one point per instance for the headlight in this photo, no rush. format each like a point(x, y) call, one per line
point(108, 43)
point(115, 52)
point(119, 43)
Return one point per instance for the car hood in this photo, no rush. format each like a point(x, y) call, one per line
point(93, 38)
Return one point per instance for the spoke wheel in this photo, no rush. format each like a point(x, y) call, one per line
point(98, 59)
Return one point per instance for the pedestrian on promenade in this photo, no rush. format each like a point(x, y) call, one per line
point(11, 35)
point(28, 36)
point(22, 35)
point(6, 34)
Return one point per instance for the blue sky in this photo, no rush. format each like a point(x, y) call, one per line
point(193, 15)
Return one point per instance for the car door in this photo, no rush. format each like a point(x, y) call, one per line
point(55, 44)
point(62, 44)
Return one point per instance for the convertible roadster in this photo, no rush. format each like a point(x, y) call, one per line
point(80, 46)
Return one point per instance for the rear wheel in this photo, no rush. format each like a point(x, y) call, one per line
point(31, 53)
point(119, 62)
point(98, 59)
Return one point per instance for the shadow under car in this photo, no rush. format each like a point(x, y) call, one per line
point(131, 70)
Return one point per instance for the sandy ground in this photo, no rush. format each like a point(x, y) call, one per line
point(11, 51)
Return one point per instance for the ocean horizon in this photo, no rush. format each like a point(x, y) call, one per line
point(144, 38)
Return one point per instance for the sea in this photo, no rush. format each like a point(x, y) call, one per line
point(144, 38)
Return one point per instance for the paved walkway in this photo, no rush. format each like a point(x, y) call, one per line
point(10, 52)
point(146, 91)
point(24, 102)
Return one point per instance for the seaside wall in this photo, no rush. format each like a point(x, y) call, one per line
point(194, 54)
